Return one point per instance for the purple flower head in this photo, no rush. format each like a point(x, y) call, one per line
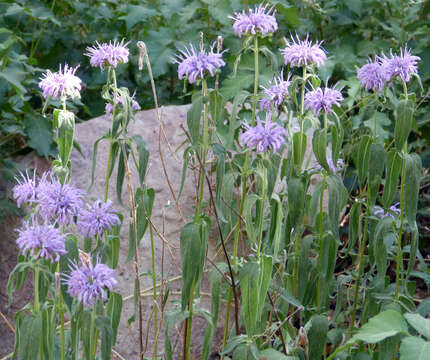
point(257, 20)
point(25, 191)
point(271, 136)
point(303, 52)
point(105, 54)
point(373, 75)
point(97, 218)
point(275, 94)
point(62, 84)
point(57, 201)
point(134, 104)
point(403, 65)
point(193, 64)
point(88, 282)
point(318, 100)
point(334, 169)
point(392, 212)
point(42, 241)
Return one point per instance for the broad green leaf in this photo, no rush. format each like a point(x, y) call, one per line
point(384, 325)
point(194, 118)
point(420, 324)
point(319, 146)
point(363, 158)
point(376, 167)
point(414, 348)
point(299, 155)
point(39, 133)
point(412, 187)
point(403, 126)
point(272, 354)
point(249, 285)
point(136, 14)
point(232, 86)
point(296, 201)
point(103, 324)
point(216, 107)
point(394, 166)
point(317, 336)
point(30, 334)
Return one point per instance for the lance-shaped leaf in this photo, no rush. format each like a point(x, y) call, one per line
point(394, 166)
point(363, 157)
point(337, 197)
point(317, 336)
point(412, 187)
point(64, 121)
point(319, 146)
point(194, 116)
point(296, 201)
point(337, 135)
point(402, 129)
point(376, 167)
point(299, 148)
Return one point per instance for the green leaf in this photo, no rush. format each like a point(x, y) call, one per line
point(39, 134)
point(337, 197)
point(272, 354)
point(420, 324)
point(136, 14)
point(113, 311)
point(94, 160)
point(193, 240)
point(104, 325)
point(194, 117)
point(414, 348)
point(384, 325)
point(15, 76)
point(412, 187)
point(337, 135)
point(403, 126)
point(376, 167)
point(317, 336)
point(319, 146)
point(296, 148)
point(232, 86)
point(296, 201)
point(64, 121)
point(72, 255)
point(30, 334)
point(394, 166)
point(363, 158)
point(249, 223)
point(143, 152)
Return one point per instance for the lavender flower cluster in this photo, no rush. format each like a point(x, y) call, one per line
point(260, 20)
point(56, 205)
point(392, 212)
point(376, 73)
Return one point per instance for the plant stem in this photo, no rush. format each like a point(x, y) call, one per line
point(302, 111)
point(154, 287)
point(363, 240)
point(296, 264)
point(189, 324)
point(136, 249)
point(36, 272)
point(321, 233)
point(399, 261)
point(256, 70)
point(109, 164)
point(205, 146)
point(374, 117)
point(263, 200)
point(93, 340)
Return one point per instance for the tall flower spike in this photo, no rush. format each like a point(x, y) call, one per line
point(194, 64)
point(41, 241)
point(276, 93)
point(25, 191)
point(258, 20)
point(97, 218)
point(105, 54)
point(403, 65)
point(62, 84)
point(318, 100)
point(263, 138)
point(60, 202)
point(373, 75)
point(88, 283)
point(303, 53)
point(134, 104)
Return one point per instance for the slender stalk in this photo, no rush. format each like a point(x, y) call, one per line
point(154, 286)
point(374, 117)
point(321, 233)
point(263, 200)
point(205, 146)
point(36, 273)
point(360, 267)
point(93, 338)
point(189, 324)
point(109, 165)
point(256, 70)
point(136, 249)
point(302, 111)
point(399, 261)
point(61, 312)
point(296, 264)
